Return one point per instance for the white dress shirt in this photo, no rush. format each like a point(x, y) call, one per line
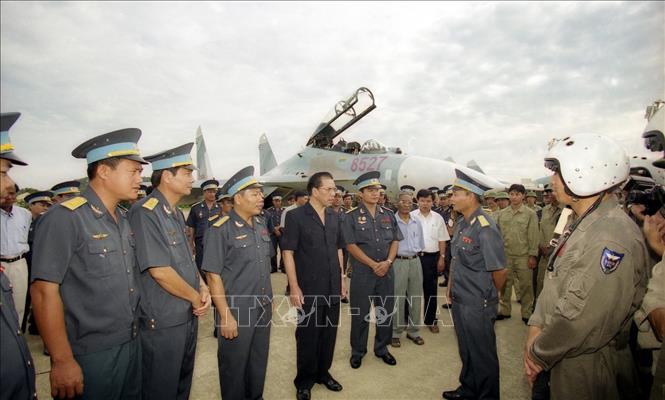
point(434, 230)
point(14, 229)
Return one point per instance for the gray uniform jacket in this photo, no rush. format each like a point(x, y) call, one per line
point(161, 241)
point(79, 246)
point(240, 254)
point(17, 371)
point(373, 235)
point(477, 250)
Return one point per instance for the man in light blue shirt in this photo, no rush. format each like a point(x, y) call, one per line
point(408, 274)
point(14, 227)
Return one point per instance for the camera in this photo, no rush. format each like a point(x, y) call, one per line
point(645, 191)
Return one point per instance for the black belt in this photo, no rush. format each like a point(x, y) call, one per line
point(424, 253)
point(11, 260)
point(407, 257)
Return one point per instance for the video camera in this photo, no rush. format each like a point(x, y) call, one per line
point(641, 187)
point(645, 191)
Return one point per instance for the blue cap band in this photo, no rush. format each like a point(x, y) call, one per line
point(66, 190)
point(241, 184)
point(39, 198)
point(461, 183)
point(112, 150)
point(5, 144)
point(177, 161)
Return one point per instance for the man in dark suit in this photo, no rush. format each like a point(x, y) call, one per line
point(312, 248)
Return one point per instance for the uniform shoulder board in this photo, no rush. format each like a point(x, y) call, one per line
point(76, 202)
point(221, 221)
point(483, 221)
point(351, 210)
point(151, 203)
point(213, 217)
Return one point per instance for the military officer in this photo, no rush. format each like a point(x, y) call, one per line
point(372, 236)
point(274, 215)
point(65, 190)
point(143, 192)
point(38, 204)
point(225, 203)
point(17, 371)
point(502, 200)
point(519, 228)
point(596, 276)
point(531, 198)
point(347, 201)
point(174, 294)
point(490, 201)
point(201, 215)
point(550, 217)
point(237, 263)
point(449, 217)
point(477, 276)
point(85, 288)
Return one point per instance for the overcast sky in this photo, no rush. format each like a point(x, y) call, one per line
point(491, 82)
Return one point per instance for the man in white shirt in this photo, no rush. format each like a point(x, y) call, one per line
point(432, 258)
point(14, 228)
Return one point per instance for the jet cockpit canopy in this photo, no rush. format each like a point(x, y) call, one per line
point(344, 114)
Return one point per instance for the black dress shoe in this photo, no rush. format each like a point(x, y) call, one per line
point(303, 394)
point(501, 316)
point(331, 384)
point(388, 359)
point(454, 395)
point(356, 362)
point(446, 306)
point(526, 321)
point(345, 300)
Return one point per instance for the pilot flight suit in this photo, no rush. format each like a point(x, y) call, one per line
point(17, 371)
point(199, 219)
point(168, 327)
point(654, 299)
point(240, 254)
point(594, 285)
point(477, 251)
point(374, 236)
point(79, 246)
point(520, 235)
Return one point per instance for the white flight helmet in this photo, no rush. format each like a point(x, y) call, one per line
point(589, 163)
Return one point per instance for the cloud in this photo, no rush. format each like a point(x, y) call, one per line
point(486, 81)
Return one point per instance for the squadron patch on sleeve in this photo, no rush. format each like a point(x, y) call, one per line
point(610, 260)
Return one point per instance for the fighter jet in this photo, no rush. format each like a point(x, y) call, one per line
point(347, 160)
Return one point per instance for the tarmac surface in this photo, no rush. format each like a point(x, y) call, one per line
point(422, 372)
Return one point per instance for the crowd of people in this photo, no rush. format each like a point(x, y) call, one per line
point(115, 278)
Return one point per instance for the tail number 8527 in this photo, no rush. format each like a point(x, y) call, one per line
point(362, 164)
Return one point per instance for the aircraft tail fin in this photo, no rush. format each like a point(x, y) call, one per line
point(474, 165)
point(267, 159)
point(202, 160)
